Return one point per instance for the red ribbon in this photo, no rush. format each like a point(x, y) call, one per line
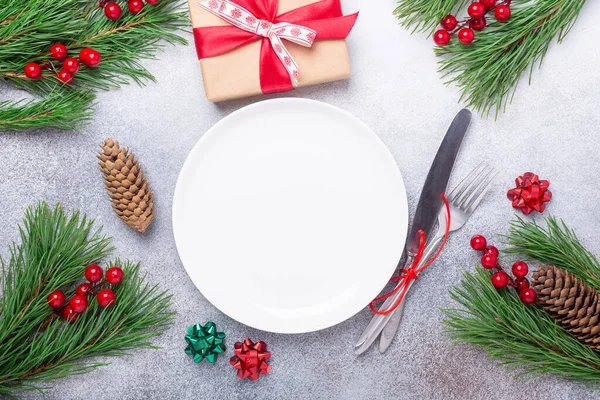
point(412, 273)
point(325, 17)
point(530, 194)
point(250, 359)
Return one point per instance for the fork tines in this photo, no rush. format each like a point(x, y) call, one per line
point(470, 191)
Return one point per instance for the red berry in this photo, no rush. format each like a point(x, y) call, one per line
point(478, 243)
point(492, 250)
point(476, 10)
point(65, 77)
point(489, 260)
point(91, 57)
point(83, 54)
point(106, 297)
point(522, 283)
point(520, 269)
point(71, 65)
point(466, 35)
point(488, 3)
point(33, 70)
point(502, 13)
point(135, 6)
point(56, 299)
point(93, 273)
point(500, 280)
point(112, 11)
point(69, 314)
point(528, 296)
point(441, 37)
point(84, 289)
point(114, 275)
point(479, 23)
point(449, 22)
point(58, 51)
point(78, 303)
point(153, 2)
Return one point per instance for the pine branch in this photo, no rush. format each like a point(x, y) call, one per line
point(489, 70)
point(426, 15)
point(63, 109)
point(35, 346)
point(556, 245)
point(524, 338)
point(29, 27)
point(520, 336)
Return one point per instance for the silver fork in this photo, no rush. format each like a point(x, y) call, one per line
point(463, 201)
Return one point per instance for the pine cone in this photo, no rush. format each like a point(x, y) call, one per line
point(568, 299)
point(128, 188)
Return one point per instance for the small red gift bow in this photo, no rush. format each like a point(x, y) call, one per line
point(243, 19)
point(412, 273)
point(324, 17)
point(530, 194)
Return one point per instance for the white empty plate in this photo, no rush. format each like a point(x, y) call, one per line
point(290, 215)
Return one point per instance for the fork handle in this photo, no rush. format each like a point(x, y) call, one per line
point(390, 329)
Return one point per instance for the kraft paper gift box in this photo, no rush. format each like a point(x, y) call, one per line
point(236, 74)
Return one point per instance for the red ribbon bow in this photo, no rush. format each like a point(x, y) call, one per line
point(325, 17)
point(408, 275)
point(250, 359)
point(530, 194)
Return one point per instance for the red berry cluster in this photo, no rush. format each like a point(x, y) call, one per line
point(501, 279)
point(113, 10)
point(93, 287)
point(68, 66)
point(477, 21)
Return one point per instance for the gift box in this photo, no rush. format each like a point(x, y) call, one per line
point(250, 47)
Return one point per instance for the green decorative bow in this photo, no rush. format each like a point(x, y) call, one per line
point(204, 342)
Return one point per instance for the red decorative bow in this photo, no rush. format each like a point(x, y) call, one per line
point(530, 194)
point(276, 74)
point(408, 275)
point(250, 359)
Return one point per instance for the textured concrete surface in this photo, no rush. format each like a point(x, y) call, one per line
point(551, 128)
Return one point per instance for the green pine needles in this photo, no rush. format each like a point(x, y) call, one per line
point(488, 70)
point(36, 346)
point(29, 27)
point(525, 337)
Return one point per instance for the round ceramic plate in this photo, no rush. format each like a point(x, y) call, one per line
point(290, 215)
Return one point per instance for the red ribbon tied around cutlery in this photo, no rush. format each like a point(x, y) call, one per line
point(253, 20)
point(412, 273)
point(530, 194)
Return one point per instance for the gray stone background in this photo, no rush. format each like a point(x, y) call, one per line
point(551, 128)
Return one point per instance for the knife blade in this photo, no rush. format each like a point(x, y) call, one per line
point(427, 210)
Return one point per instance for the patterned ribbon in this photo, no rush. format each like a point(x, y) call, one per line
point(253, 20)
point(243, 19)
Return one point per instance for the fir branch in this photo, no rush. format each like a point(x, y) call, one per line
point(36, 347)
point(524, 338)
point(521, 336)
point(63, 109)
point(30, 27)
point(489, 70)
point(425, 15)
point(556, 245)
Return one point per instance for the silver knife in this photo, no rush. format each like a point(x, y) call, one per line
point(428, 207)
